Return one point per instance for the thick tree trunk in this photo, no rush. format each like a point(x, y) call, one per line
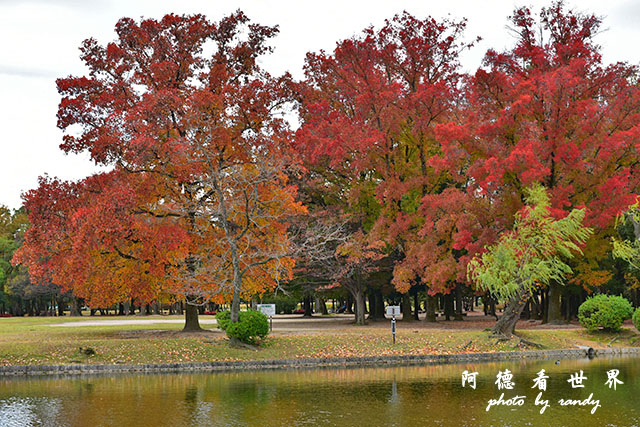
point(379, 304)
point(376, 305)
point(74, 308)
point(506, 324)
point(448, 306)
point(432, 305)
point(457, 315)
point(61, 305)
point(405, 308)
point(372, 306)
point(321, 305)
point(306, 302)
point(535, 307)
point(416, 306)
point(572, 304)
point(191, 322)
point(555, 304)
point(359, 312)
point(491, 307)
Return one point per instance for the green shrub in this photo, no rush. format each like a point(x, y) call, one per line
point(284, 304)
point(604, 311)
point(250, 326)
point(636, 319)
point(223, 318)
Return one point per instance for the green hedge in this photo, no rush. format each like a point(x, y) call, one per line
point(250, 326)
point(636, 319)
point(222, 319)
point(604, 311)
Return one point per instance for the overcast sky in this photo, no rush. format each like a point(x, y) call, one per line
point(40, 42)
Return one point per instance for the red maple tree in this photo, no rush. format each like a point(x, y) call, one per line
point(369, 111)
point(550, 111)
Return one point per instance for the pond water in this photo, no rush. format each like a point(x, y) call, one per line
point(392, 396)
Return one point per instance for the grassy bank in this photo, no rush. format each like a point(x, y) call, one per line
point(33, 341)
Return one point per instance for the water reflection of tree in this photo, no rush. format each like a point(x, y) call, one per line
point(422, 394)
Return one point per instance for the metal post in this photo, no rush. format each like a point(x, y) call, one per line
point(271, 323)
point(393, 328)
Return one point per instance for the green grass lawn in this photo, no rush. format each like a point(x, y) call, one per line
point(32, 341)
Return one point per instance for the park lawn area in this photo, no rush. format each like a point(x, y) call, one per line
point(32, 341)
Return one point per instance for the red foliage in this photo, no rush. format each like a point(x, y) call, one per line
point(369, 112)
point(181, 111)
point(549, 111)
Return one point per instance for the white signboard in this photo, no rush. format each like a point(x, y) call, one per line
point(267, 309)
point(393, 310)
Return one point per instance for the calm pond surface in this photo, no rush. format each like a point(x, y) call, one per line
point(393, 396)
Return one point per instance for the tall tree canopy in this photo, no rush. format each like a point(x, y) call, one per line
point(550, 111)
point(369, 110)
point(190, 124)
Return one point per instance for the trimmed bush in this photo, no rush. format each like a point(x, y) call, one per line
point(636, 319)
point(604, 311)
point(250, 326)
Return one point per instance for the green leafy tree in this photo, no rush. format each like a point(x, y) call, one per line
point(531, 254)
point(627, 248)
point(13, 280)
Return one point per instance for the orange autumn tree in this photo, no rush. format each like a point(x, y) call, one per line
point(181, 108)
point(67, 243)
point(243, 230)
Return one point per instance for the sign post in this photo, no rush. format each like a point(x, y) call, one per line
point(393, 311)
point(268, 310)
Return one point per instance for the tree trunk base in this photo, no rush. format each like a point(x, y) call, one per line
point(432, 304)
point(506, 324)
point(191, 323)
point(405, 307)
point(554, 309)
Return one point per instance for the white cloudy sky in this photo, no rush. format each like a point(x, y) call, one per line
point(40, 40)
